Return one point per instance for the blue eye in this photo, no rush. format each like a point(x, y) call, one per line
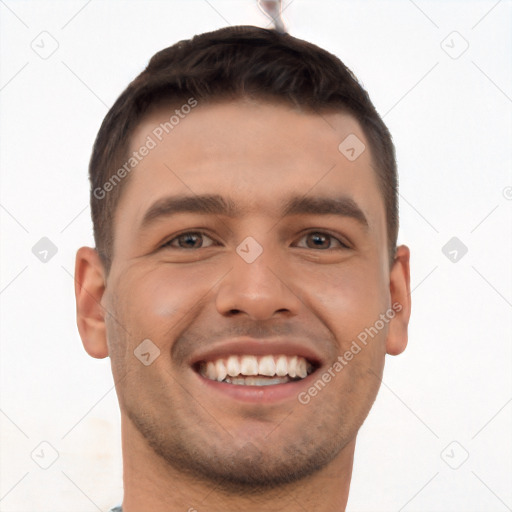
point(319, 239)
point(188, 240)
point(194, 240)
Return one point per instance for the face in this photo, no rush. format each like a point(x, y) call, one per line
point(252, 253)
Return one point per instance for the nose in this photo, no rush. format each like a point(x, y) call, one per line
point(261, 289)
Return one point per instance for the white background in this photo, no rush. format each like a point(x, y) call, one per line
point(451, 122)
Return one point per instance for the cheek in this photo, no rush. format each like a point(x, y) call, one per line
point(161, 298)
point(348, 299)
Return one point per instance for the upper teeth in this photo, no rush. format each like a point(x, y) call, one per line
point(281, 365)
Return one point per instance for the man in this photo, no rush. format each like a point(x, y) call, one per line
point(246, 282)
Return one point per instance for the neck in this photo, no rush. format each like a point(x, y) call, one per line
point(152, 484)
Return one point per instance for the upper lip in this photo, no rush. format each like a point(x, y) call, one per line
point(258, 347)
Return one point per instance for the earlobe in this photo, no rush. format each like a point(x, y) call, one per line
point(400, 291)
point(89, 290)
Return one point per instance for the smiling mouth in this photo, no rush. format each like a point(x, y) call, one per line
point(249, 370)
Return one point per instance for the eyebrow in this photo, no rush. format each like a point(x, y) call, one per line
point(213, 204)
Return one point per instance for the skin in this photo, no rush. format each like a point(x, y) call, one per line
point(186, 446)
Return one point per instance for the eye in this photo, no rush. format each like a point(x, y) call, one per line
point(194, 240)
point(188, 240)
point(321, 240)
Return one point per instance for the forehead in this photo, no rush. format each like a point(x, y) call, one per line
point(248, 130)
point(253, 153)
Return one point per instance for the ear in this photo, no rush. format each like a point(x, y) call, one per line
point(400, 291)
point(89, 290)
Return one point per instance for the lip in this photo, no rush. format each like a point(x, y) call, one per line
point(252, 347)
point(247, 346)
point(258, 394)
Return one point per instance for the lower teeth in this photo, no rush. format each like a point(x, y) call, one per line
point(257, 381)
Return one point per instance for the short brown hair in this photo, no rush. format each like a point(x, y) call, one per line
point(232, 63)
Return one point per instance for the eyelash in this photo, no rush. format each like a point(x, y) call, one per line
point(167, 245)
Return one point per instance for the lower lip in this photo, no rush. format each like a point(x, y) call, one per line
point(259, 394)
